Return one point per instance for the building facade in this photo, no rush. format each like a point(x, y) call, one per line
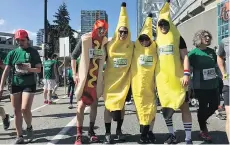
point(89, 17)
point(40, 37)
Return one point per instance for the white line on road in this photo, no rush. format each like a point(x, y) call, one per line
point(39, 107)
point(61, 134)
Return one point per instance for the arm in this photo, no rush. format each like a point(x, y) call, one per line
point(56, 72)
point(74, 65)
point(76, 53)
point(220, 58)
point(37, 69)
point(4, 76)
point(37, 61)
point(184, 54)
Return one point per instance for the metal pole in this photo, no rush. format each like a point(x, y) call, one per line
point(45, 34)
point(64, 70)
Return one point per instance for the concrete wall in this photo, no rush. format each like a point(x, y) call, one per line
point(206, 20)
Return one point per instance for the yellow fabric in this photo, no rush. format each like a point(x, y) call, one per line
point(117, 80)
point(169, 69)
point(143, 85)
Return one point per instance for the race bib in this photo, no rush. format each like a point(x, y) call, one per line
point(209, 74)
point(96, 53)
point(21, 71)
point(145, 60)
point(166, 50)
point(120, 62)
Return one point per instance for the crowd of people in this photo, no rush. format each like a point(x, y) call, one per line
point(117, 69)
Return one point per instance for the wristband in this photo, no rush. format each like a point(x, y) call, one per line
point(186, 73)
point(225, 76)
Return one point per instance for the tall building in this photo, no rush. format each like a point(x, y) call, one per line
point(40, 37)
point(89, 17)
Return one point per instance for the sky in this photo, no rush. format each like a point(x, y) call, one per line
point(29, 14)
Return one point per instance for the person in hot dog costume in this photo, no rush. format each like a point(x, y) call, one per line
point(117, 75)
point(143, 83)
point(89, 78)
point(172, 74)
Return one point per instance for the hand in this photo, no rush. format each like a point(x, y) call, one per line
point(76, 78)
point(23, 67)
point(185, 81)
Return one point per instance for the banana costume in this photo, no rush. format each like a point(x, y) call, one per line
point(142, 72)
point(117, 72)
point(169, 69)
point(91, 65)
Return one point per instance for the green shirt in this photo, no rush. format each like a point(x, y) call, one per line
point(77, 63)
point(204, 68)
point(17, 57)
point(70, 73)
point(49, 69)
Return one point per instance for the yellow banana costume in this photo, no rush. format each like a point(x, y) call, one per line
point(169, 68)
point(117, 72)
point(142, 72)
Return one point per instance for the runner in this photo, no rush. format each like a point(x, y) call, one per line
point(25, 62)
point(5, 117)
point(223, 53)
point(54, 95)
point(143, 82)
point(51, 77)
point(89, 78)
point(172, 74)
point(117, 76)
point(205, 81)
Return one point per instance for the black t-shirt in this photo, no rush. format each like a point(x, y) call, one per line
point(182, 44)
point(77, 50)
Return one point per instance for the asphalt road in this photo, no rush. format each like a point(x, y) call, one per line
point(55, 124)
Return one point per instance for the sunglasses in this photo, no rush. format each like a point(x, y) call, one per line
point(144, 38)
point(20, 40)
point(122, 31)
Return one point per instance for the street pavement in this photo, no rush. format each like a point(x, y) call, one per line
point(56, 124)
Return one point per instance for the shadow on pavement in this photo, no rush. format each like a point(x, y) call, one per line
point(63, 115)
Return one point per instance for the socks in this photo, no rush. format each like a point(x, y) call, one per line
point(169, 124)
point(119, 124)
point(91, 127)
point(151, 125)
point(108, 128)
point(79, 130)
point(188, 129)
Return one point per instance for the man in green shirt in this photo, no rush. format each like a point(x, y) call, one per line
point(50, 78)
point(25, 62)
point(57, 63)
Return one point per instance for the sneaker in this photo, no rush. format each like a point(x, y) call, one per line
point(171, 139)
point(188, 141)
point(6, 122)
point(70, 107)
point(205, 137)
point(51, 102)
point(46, 102)
point(19, 140)
point(119, 136)
point(221, 117)
point(128, 103)
point(92, 137)
point(30, 134)
point(143, 140)
point(107, 139)
point(78, 140)
point(151, 137)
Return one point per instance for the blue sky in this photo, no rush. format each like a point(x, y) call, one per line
point(28, 14)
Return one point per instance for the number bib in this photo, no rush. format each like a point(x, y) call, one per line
point(96, 53)
point(209, 74)
point(120, 62)
point(19, 70)
point(166, 50)
point(146, 60)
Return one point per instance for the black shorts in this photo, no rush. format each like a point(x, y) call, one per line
point(18, 89)
point(225, 92)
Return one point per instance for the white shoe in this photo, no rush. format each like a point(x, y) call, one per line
point(128, 103)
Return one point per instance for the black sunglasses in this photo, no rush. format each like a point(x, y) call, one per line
point(144, 38)
point(122, 31)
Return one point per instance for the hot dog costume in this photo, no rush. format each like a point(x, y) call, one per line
point(91, 65)
point(117, 72)
point(169, 69)
point(142, 74)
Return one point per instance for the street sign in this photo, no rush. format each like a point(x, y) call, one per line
point(64, 47)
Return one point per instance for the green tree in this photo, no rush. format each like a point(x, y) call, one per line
point(62, 27)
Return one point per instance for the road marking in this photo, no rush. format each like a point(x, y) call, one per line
point(62, 133)
point(39, 107)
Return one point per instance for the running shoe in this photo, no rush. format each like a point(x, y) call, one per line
point(143, 140)
point(205, 137)
point(128, 103)
point(92, 137)
point(30, 134)
point(46, 102)
point(188, 141)
point(51, 102)
point(107, 139)
point(119, 136)
point(6, 122)
point(19, 140)
point(70, 107)
point(151, 137)
point(221, 117)
point(171, 139)
point(78, 140)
